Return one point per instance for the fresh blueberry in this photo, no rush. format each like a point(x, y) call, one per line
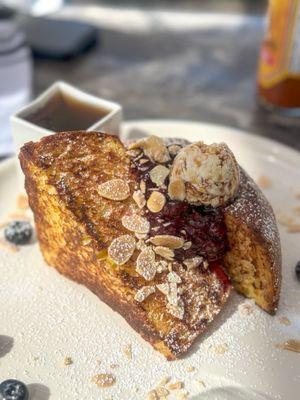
point(13, 390)
point(18, 232)
point(297, 270)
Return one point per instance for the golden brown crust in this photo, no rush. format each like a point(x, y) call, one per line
point(75, 226)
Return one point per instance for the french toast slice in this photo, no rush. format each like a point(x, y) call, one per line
point(76, 226)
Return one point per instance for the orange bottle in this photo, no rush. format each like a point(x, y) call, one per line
point(279, 65)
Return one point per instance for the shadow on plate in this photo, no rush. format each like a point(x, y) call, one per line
point(38, 391)
point(231, 393)
point(6, 344)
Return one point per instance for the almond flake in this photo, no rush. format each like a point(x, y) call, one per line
point(187, 245)
point(221, 348)
point(176, 190)
point(174, 149)
point(164, 381)
point(156, 202)
point(121, 249)
point(291, 345)
point(173, 277)
point(143, 186)
point(115, 189)
point(143, 160)
point(175, 386)
point(162, 392)
point(143, 293)
point(145, 264)
point(127, 350)
point(161, 266)
point(176, 311)
point(139, 198)
point(158, 174)
point(68, 361)
point(154, 148)
point(164, 252)
point(193, 262)
point(173, 294)
point(170, 241)
point(152, 395)
point(104, 380)
point(164, 288)
point(136, 223)
point(285, 321)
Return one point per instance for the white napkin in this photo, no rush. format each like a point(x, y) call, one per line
point(15, 80)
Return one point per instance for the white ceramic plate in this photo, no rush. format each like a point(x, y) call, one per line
point(45, 317)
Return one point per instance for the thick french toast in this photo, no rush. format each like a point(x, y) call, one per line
point(76, 227)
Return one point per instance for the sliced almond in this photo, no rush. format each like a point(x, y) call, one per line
point(104, 380)
point(176, 311)
point(164, 288)
point(158, 174)
point(193, 262)
point(174, 149)
point(145, 264)
point(161, 266)
point(172, 297)
point(173, 277)
point(156, 202)
point(143, 293)
point(154, 148)
point(143, 186)
point(170, 241)
point(136, 223)
point(164, 252)
point(162, 392)
point(139, 198)
point(175, 385)
point(121, 249)
point(176, 190)
point(187, 245)
point(115, 189)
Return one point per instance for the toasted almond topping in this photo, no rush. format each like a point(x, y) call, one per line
point(141, 236)
point(175, 385)
point(291, 345)
point(121, 249)
point(173, 277)
point(143, 186)
point(139, 198)
point(158, 174)
point(152, 395)
point(115, 189)
point(220, 348)
point(143, 160)
point(68, 361)
point(154, 148)
point(193, 262)
point(172, 297)
point(174, 149)
point(164, 252)
point(134, 153)
point(187, 245)
point(161, 266)
point(162, 391)
point(164, 288)
point(285, 321)
point(141, 245)
point(156, 202)
point(136, 223)
point(170, 241)
point(176, 311)
point(104, 380)
point(143, 293)
point(176, 190)
point(145, 264)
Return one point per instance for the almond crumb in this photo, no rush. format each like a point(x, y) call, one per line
point(191, 369)
point(152, 395)
point(284, 321)
point(175, 385)
point(68, 361)
point(104, 380)
point(220, 348)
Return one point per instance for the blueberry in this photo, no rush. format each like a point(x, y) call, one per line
point(18, 232)
point(13, 390)
point(297, 270)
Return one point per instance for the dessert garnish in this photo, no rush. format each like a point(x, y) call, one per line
point(291, 345)
point(204, 174)
point(104, 380)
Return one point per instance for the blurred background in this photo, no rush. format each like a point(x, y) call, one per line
point(174, 59)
